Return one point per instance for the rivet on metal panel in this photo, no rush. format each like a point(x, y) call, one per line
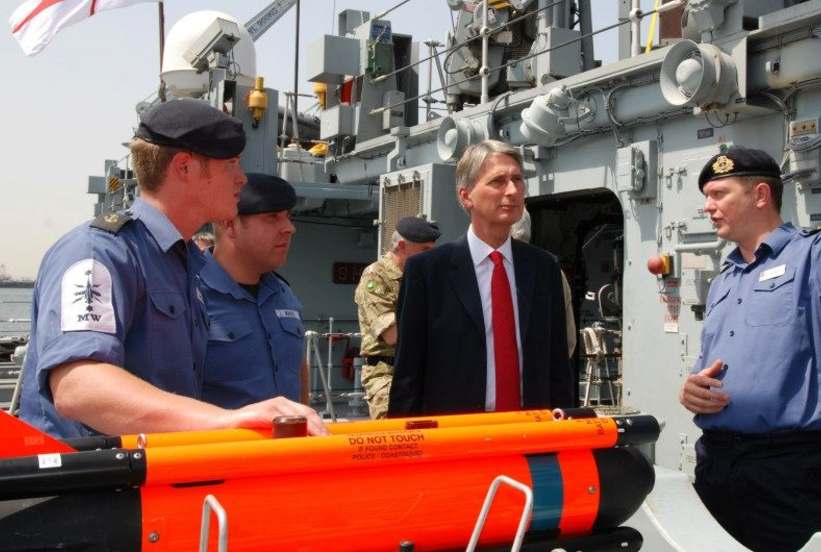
point(153, 537)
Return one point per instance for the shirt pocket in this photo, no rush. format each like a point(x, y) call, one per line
point(771, 301)
point(169, 304)
point(292, 326)
point(715, 303)
point(228, 330)
point(170, 342)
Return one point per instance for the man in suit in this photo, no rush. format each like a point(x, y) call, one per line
point(481, 319)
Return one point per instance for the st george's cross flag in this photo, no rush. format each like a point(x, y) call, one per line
point(36, 22)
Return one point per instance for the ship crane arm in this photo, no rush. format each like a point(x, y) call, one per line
point(265, 19)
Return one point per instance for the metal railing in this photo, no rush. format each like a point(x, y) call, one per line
point(313, 358)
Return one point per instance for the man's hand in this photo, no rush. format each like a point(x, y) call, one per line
point(260, 415)
point(696, 393)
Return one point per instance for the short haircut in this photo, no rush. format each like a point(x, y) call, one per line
point(470, 164)
point(151, 162)
point(521, 229)
point(204, 237)
point(396, 237)
point(775, 184)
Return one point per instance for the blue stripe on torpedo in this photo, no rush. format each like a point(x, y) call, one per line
point(548, 495)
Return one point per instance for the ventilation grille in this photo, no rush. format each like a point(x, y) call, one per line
point(402, 200)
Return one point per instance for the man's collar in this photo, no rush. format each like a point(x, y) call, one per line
point(479, 250)
point(778, 238)
point(215, 277)
point(159, 226)
point(219, 280)
point(775, 241)
point(390, 266)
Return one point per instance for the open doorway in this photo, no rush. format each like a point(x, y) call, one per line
point(586, 231)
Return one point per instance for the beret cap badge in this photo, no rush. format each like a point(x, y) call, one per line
point(723, 165)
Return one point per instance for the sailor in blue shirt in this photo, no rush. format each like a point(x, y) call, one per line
point(119, 326)
point(255, 341)
point(755, 388)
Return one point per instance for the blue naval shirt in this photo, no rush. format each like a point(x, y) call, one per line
point(763, 319)
point(255, 344)
point(128, 298)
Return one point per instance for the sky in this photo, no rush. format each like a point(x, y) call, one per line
point(70, 107)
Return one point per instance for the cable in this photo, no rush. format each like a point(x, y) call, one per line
point(389, 10)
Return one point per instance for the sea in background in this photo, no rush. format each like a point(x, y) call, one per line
point(15, 311)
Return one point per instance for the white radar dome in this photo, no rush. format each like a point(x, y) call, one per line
point(180, 78)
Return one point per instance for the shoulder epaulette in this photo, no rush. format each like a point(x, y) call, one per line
point(810, 231)
point(278, 275)
point(725, 266)
point(111, 222)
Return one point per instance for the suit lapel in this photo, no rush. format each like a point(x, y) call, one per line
point(463, 279)
point(525, 285)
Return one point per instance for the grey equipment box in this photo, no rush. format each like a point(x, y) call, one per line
point(332, 57)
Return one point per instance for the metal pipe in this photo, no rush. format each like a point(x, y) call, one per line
point(700, 248)
point(485, 39)
point(559, 15)
point(585, 27)
point(635, 28)
point(544, 16)
point(429, 99)
point(330, 351)
point(161, 14)
point(309, 361)
point(295, 133)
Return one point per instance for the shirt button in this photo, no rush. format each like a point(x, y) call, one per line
point(230, 335)
point(772, 285)
point(739, 300)
point(732, 333)
point(171, 309)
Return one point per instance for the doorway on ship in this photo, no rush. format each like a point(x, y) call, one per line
point(586, 231)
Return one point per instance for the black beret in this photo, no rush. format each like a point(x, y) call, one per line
point(739, 161)
point(192, 125)
point(417, 230)
point(265, 194)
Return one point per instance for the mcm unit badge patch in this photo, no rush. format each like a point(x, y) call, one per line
point(86, 303)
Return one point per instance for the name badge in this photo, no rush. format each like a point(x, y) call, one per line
point(287, 313)
point(773, 272)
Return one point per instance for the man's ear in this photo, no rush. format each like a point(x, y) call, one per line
point(762, 194)
point(464, 198)
point(181, 165)
point(228, 227)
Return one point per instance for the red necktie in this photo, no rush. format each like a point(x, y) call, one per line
point(505, 350)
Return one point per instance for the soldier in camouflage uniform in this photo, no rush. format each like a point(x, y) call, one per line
point(376, 297)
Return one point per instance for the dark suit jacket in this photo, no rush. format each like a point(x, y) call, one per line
point(441, 358)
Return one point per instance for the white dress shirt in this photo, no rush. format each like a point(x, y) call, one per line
point(483, 266)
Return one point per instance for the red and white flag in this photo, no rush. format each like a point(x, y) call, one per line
point(36, 22)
